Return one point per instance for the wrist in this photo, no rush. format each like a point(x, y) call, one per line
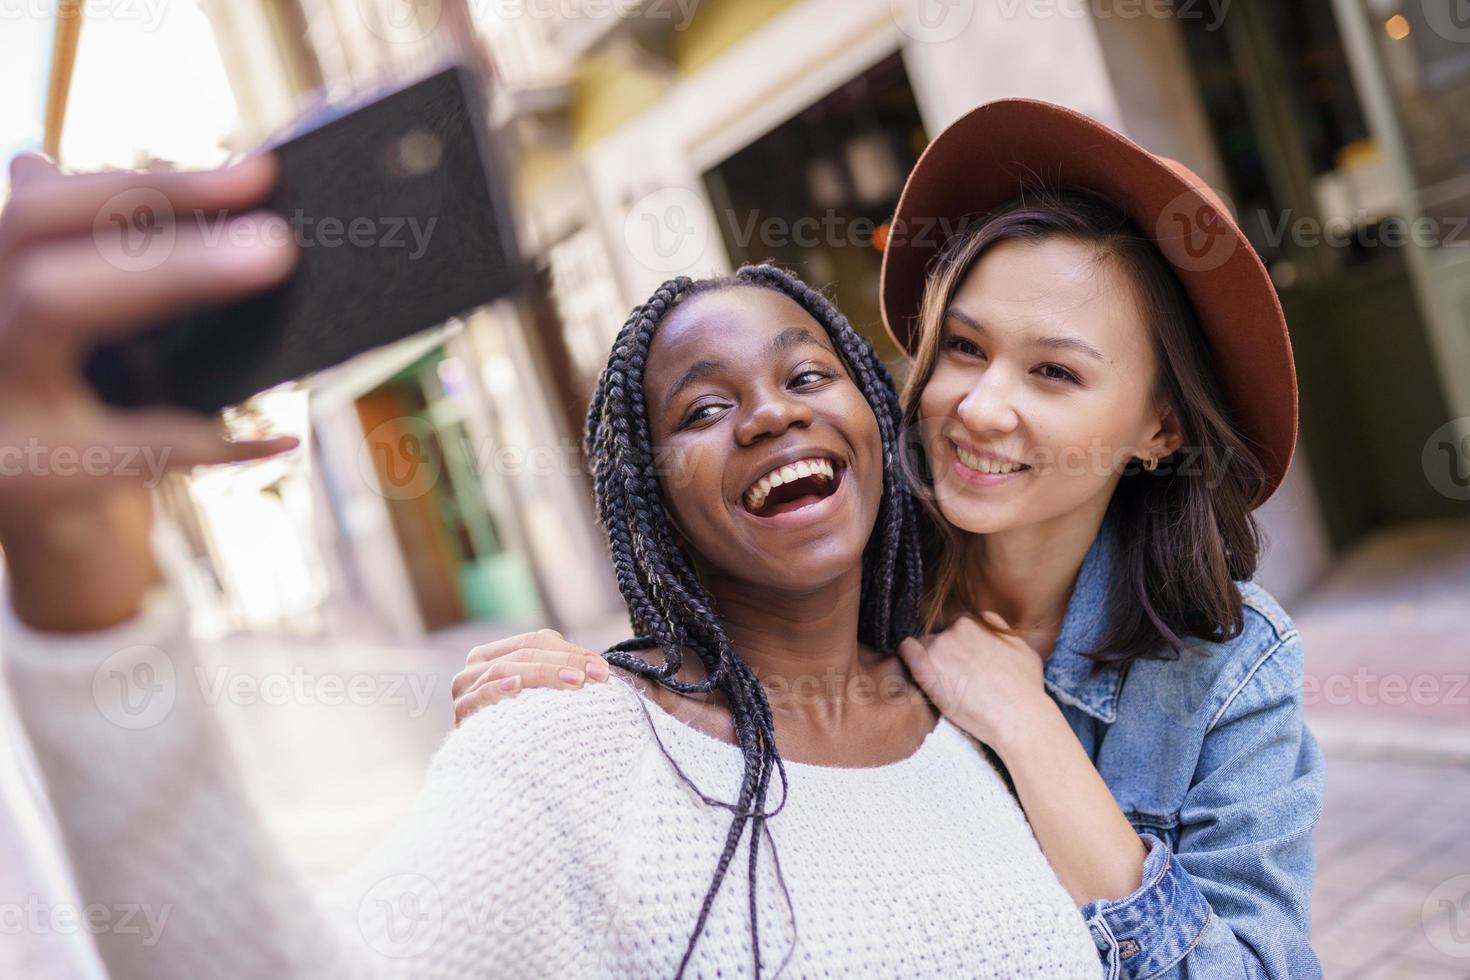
point(81, 565)
point(1035, 723)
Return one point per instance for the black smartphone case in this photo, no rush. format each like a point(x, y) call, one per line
point(419, 154)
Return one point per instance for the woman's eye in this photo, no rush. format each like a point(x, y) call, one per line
point(810, 376)
point(1057, 373)
point(962, 346)
point(699, 413)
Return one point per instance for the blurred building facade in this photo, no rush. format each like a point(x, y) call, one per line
point(654, 137)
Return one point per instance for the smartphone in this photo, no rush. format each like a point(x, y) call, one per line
point(400, 209)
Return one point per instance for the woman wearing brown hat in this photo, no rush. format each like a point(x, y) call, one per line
point(1102, 393)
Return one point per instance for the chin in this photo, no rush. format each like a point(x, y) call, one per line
point(975, 517)
point(813, 566)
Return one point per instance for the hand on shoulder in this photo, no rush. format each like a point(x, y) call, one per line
point(502, 669)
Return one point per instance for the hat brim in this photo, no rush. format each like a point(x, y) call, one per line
point(1001, 149)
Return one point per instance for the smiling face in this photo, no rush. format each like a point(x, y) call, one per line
point(1043, 388)
point(770, 457)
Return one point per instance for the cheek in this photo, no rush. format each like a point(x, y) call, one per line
point(691, 477)
point(942, 395)
point(1105, 428)
point(938, 412)
point(681, 467)
point(867, 441)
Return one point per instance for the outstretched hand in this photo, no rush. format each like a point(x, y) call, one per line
point(72, 469)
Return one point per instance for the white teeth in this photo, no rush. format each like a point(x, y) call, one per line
point(800, 470)
point(986, 464)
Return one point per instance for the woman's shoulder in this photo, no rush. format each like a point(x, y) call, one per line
point(1269, 617)
point(1267, 652)
point(587, 726)
point(1266, 631)
point(1212, 680)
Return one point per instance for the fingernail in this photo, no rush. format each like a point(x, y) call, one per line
point(597, 670)
point(569, 676)
point(510, 684)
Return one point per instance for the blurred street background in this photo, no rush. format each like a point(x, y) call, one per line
point(440, 498)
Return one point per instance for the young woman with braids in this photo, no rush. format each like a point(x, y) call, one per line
point(1102, 392)
point(746, 446)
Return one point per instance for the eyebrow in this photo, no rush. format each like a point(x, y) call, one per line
point(785, 340)
point(699, 369)
point(792, 337)
point(1075, 344)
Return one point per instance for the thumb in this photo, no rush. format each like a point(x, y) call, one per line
point(181, 439)
point(914, 653)
point(995, 621)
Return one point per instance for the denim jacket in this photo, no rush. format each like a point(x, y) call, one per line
point(1209, 758)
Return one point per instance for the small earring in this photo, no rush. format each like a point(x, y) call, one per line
point(1151, 464)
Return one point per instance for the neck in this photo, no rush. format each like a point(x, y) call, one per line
point(1027, 574)
point(802, 645)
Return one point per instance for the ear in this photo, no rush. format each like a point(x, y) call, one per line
point(1166, 437)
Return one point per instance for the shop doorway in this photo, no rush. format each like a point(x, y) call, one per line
point(458, 549)
point(1317, 195)
point(812, 193)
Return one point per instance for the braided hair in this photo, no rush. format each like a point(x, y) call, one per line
point(670, 609)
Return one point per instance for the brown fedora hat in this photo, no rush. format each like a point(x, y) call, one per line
point(998, 150)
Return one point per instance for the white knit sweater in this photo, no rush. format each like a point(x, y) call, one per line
point(551, 839)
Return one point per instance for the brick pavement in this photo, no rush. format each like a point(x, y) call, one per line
point(1387, 641)
point(1393, 884)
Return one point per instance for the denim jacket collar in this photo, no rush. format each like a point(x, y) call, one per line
point(1069, 671)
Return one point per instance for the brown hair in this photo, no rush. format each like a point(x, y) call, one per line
point(1187, 532)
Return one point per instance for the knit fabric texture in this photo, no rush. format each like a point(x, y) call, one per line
point(552, 837)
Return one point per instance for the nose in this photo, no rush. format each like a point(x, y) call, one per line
point(771, 415)
point(989, 407)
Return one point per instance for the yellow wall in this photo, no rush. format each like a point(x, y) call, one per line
point(719, 25)
point(609, 90)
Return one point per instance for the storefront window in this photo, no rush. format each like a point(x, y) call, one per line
point(1426, 51)
point(851, 152)
point(452, 523)
point(1278, 89)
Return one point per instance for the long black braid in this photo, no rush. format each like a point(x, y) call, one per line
point(669, 607)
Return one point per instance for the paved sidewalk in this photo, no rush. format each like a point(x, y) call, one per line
point(1393, 883)
point(1387, 641)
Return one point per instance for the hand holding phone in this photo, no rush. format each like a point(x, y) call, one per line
point(400, 212)
point(74, 472)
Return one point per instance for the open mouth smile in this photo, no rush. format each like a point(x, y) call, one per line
point(794, 488)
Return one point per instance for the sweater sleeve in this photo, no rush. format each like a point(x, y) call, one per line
point(156, 819)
